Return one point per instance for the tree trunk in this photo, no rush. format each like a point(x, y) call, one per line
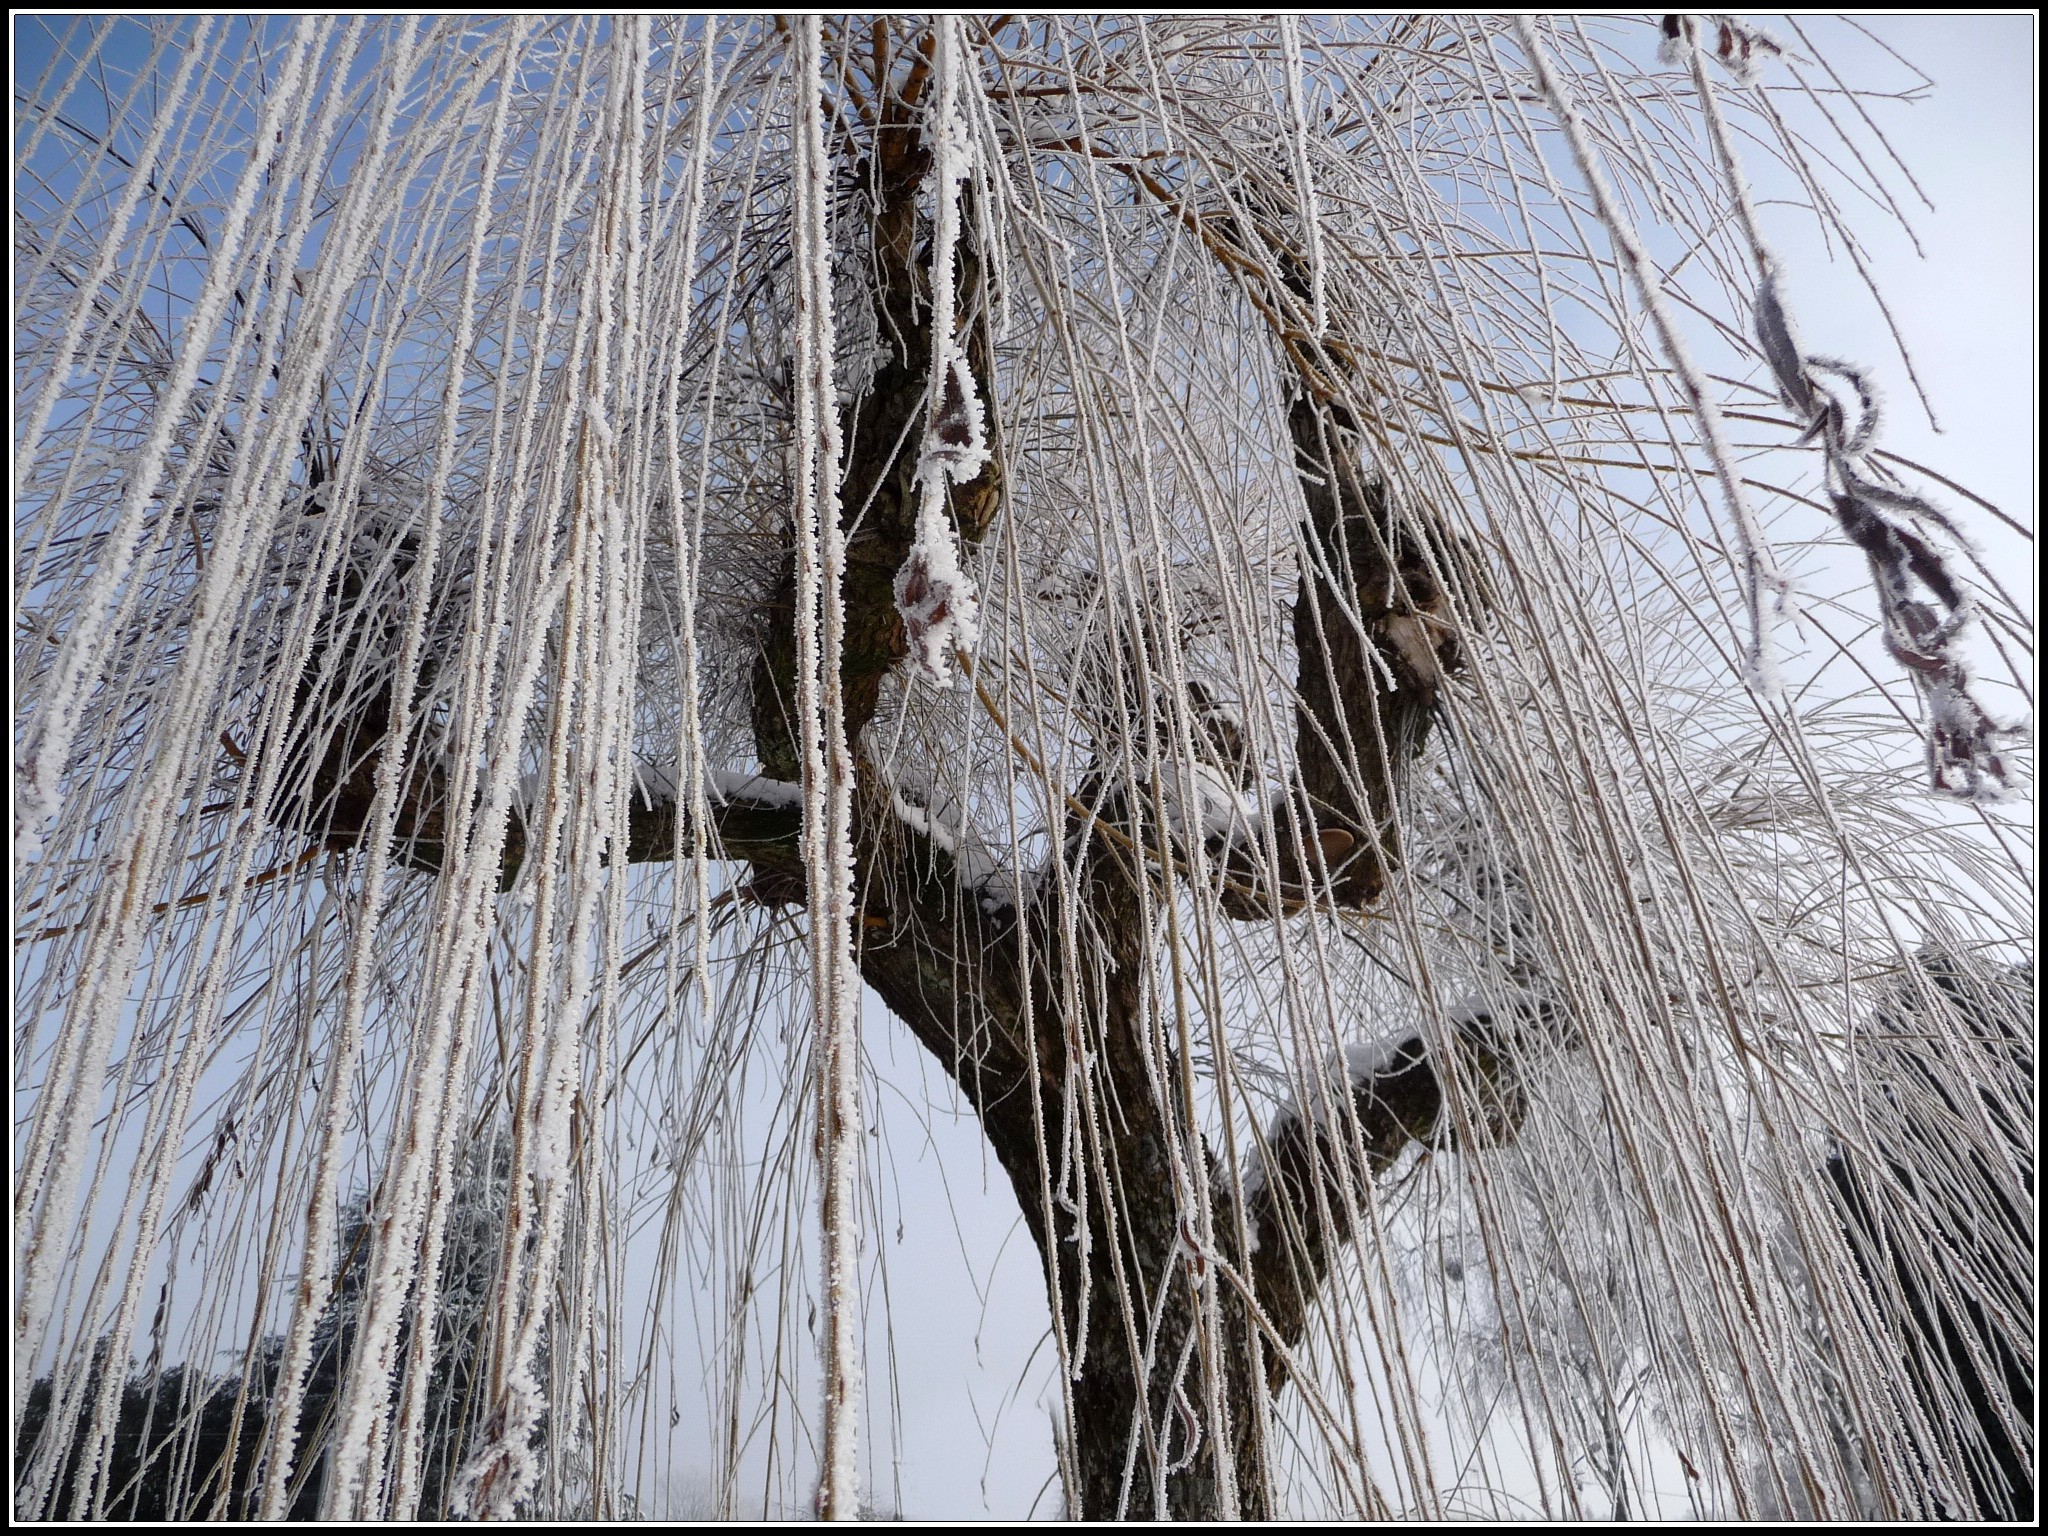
point(1053, 1041)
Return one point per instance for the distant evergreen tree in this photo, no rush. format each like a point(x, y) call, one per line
point(187, 1444)
point(1938, 1192)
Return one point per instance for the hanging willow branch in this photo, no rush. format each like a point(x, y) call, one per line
point(567, 568)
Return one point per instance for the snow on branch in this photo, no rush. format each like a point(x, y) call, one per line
point(937, 598)
point(755, 789)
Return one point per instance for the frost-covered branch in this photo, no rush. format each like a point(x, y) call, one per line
point(1308, 1182)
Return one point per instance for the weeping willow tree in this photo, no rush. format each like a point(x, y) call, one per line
point(1285, 596)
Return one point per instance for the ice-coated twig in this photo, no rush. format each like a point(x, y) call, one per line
point(828, 790)
point(1926, 614)
point(1765, 588)
point(935, 595)
point(435, 988)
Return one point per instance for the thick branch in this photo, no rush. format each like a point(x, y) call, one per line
point(1375, 638)
point(1316, 1170)
point(883, 432)
point(763, 833)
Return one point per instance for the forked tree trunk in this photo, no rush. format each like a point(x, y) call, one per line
point(1054, 1043)
point(1165, 1345)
